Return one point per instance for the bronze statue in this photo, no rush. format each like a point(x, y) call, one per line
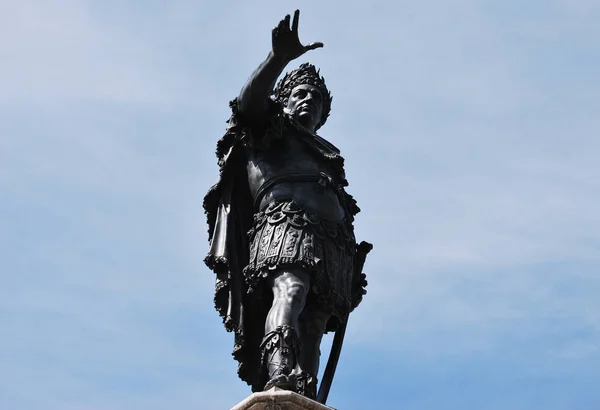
point(281, 237)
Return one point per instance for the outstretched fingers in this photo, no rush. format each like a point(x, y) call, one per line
point(286, 22)
point(295, 21)
point(313, 46)
point(285, 38)
point(281, 27)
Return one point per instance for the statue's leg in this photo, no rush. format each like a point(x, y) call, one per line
point(281, 346)
point(290, 286)
point(312, 325)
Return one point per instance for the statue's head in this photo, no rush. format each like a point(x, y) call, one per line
point(304, 96)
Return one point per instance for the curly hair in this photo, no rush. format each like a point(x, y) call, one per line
point(305, 74)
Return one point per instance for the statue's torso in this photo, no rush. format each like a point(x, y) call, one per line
point(291, 155)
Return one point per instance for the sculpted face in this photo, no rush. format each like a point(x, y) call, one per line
point(305, 104)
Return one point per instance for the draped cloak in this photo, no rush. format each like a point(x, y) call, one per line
point(228, 206)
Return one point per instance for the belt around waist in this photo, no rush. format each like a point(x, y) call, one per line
point(320, 178)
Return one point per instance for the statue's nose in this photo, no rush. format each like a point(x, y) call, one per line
point(309, 98)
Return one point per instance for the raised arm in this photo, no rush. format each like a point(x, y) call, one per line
point(286, 46)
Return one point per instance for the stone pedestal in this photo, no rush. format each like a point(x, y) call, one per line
point(279, 399)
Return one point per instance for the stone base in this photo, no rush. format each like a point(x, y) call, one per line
point(279, 399)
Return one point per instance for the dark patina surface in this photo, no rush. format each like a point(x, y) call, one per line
point(280, 221)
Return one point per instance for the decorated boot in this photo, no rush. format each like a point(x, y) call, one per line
point(306, 385)
point(280, 349)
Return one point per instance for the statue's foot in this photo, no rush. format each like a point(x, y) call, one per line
point(303, 383)
point(306, 385)
point(283, 382)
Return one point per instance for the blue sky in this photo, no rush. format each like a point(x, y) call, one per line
point(470, 130)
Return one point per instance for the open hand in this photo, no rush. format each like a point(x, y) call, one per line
point(286, 44)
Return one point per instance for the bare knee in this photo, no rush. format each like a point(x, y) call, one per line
point(290, 289)
point(291, 293)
